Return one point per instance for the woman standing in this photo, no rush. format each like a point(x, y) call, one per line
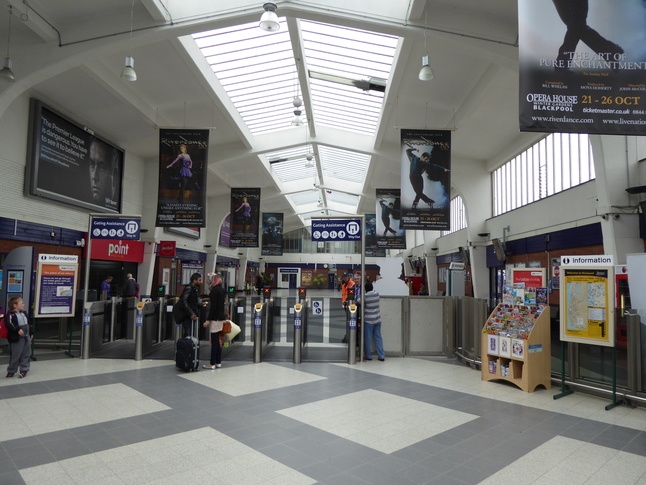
point(185, 170)
point(216, 318)
point(246, 214)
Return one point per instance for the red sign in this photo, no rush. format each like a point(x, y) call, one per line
point(167, 248)
point(118, 250)
point(533, 278)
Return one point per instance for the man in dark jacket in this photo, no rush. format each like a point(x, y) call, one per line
point(191, 303)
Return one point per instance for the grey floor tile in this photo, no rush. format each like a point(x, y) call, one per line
point(11, 478)
point(466, 475)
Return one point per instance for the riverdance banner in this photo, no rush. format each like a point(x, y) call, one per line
point(182, 178)
point(390, 235)
point(370, 232)
point(272, 234)
point(425, 179)
point(582, 66)
point(245, 217)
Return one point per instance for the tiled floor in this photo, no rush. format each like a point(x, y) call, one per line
point(403, 421)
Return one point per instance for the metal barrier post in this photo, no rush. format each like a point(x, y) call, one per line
point(139, 331)
point(85, 334)
point(160, 319)
point(352, 337)
point(113, 316)
point(257, 332)
point(298, 335)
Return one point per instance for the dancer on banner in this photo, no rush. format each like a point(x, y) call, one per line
point(574, 14)
point(386, 211)
point(185, 171)
point(419, 165)
point(247, 222)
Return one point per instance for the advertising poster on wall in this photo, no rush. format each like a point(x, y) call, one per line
point(183, 163)
point(587, 300)
point(370, 229)
point(71, 164)
point(272, 234)
point(390, 235)
point(425, 179)
point(582, 66)
point(245, 217)
point(56, 281)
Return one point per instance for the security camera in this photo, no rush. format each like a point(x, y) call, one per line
point(616, 216)
point(483, 234)
point(604, 217)
point(434, 249)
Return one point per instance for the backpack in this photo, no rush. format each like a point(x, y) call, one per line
point(179, 311)
point(3, 326)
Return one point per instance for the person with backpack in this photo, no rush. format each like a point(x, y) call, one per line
point(190, 303)
point(19, 338)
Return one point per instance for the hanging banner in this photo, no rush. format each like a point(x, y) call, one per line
point(183, 164)
point(389, 232)
point(56, 280)
point(272, 234)
point(582, 66)
point(587, 300)
point(371, 237)
point(245, 217)
point(425, 179)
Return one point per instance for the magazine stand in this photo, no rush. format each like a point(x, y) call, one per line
point(516, 346)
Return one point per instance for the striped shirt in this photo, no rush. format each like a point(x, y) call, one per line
point(371, 308)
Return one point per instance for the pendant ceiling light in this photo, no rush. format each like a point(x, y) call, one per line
point(425, 73)
point(6, 74)
point(269, 19)
point(128, 73)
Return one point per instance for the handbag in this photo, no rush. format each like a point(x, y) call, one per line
point(235, 330)
point(226, 327)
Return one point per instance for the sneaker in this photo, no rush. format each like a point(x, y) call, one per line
point(382, 360)
point(218, 366)
point(23, 374)
point(366, 359)
point(207, 366)
point(10, 374)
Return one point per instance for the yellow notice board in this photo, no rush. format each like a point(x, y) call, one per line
point(587, 300)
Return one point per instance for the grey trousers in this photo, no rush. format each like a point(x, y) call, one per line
point(20, 352)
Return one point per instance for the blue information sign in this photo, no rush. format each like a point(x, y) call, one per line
point(336, 230)
point(111, 228)
point(353, 323)
point(297, 322)
point(140, 320)
point(256, 322)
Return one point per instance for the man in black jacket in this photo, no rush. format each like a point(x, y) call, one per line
point(191, 303)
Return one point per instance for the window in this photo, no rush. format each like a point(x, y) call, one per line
point(558, 162)
point(458, 216)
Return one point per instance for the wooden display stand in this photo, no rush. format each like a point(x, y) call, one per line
point(516, 346)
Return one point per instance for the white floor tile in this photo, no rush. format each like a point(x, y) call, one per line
point(353, 419)
point(69, 409)
point(252, 378)
point(220, 461)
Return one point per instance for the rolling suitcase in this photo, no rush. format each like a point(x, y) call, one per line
point(187, 354)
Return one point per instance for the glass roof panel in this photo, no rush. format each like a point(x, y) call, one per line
point(246, 60)
point(353, 54)
point(335, 163)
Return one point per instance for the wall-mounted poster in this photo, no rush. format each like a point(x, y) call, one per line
point(425, 179)
point(245, 217)
point(70, 164)
point(582, 66)
point(183, 162)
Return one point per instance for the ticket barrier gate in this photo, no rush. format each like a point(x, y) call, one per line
point(352, 334)
point(257, 332)
point(298, 332)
